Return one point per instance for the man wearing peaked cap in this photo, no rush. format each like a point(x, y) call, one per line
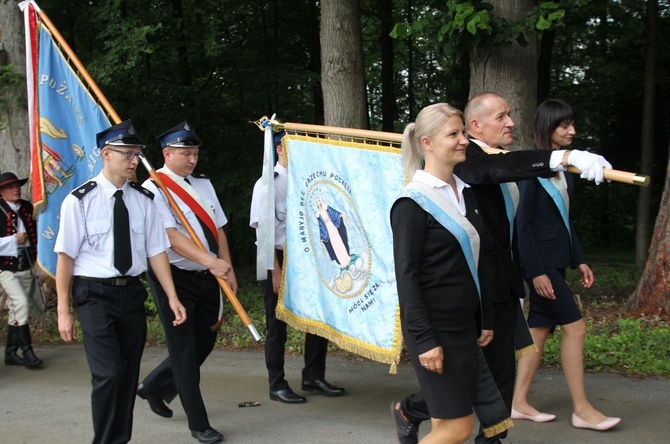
point(109, 226)
point(313, 375)
point(195, 272)
point(121, 134)
point(18, 243)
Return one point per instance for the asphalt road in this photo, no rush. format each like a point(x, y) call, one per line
point(52, 405)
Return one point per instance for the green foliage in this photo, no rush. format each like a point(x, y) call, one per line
point(548, 15)
point(477, 19)
point(632, 346)
point(464, 16)
point(155, 332)
point(615, 272)
point(614, 343)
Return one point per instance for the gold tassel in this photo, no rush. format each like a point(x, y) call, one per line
point(526, 351)
point(492, 431)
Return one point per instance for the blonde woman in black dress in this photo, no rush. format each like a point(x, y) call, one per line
point(436, 248)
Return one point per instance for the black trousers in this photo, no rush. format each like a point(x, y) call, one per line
point(189, 344)
point(113, 322)
point(315, 346)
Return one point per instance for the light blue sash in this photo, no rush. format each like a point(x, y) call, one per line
point(510, 193)
point(451, 219)
point(560, 198)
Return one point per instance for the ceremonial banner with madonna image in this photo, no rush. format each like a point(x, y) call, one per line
point(339, 278)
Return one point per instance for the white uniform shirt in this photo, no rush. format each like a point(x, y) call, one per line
point(281, 183)
point(94, 257)
point(206, 192)
point(444, 188)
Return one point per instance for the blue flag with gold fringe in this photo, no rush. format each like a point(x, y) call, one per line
point(64, 152)
point(339, 277)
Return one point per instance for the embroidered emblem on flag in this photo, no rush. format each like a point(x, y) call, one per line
point(339, 278)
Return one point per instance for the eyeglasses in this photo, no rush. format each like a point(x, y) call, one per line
point(130, 155)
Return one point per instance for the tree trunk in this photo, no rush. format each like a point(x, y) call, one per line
point(184, 67)
point(411, 98)
point(544, 65)
point(315, 63)
point(14, 138)
point(509, 70)
point(647, 148)
point(652, 295)
point(388, 73)
point(342, 74)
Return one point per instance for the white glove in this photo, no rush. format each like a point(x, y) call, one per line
point(591, 165)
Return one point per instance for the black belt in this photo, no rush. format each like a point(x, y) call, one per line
point(121, 281)
point(198, 273)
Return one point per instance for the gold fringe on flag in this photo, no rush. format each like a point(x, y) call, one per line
point(497, 429)
point(526, 351)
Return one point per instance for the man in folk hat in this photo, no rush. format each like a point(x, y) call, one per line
point(195, 272)
point(313, 375)
point(18, 247)
point(109, 226)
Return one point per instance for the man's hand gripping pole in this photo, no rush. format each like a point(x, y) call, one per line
point(196, 240)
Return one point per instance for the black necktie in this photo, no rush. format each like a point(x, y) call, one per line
point(123, 259)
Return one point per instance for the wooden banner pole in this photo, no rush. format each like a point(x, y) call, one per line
point(396, 139)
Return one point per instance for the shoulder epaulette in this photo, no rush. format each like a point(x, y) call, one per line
point(199, 176)
point(141, 189)
point(85, 188)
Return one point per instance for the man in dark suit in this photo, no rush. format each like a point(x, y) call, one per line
point(489, 124)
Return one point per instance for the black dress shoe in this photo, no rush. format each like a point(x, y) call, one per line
point(209, 435)
point(322, 387)
point(287, 396)
point(156, 404)
point(406, 431)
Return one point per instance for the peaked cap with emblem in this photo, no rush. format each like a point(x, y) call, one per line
point(121, 134)
point(180, 136)
point(278, 136)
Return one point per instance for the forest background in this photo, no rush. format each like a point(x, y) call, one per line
point(221, 64)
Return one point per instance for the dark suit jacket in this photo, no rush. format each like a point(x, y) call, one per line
point(544, 241)
point(435, 288)
point(499, 273)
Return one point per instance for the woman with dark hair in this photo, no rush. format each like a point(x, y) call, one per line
point(547, 245)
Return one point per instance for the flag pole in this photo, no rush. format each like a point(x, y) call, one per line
point(196, 240)
point(396, 138)
point(175, 208)
point(80, 67)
